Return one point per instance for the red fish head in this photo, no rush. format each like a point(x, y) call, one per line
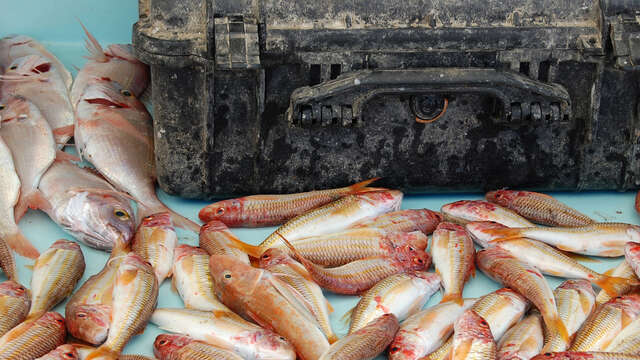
point(52, 318)
point(578, 285)
point(233, 279)
point(184, 250)
point(103, 92)
point(89, 322)
point(407, 345)
point(478, 231)
point(472, 326)
point(230, 212)
point(15, 108)
point(162, 219)
point(167, 344)
point(503, 197)
point(389, 199)
point(13, 289)
point(411, 258)
point(29, 65)
point(274, 256)
point(569, 355)
point(213, 226)
point(64, 352)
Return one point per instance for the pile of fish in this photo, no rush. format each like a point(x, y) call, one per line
point(267, 301)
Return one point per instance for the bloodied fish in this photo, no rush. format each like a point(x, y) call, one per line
point(330, 218)
point(35, 78)
point(453, 257)
point(575, 300)
point(85, 205)
point(114, 132)
point(117, 63)
point(227, 330)
point(606, 322)
point(33, 338)
point(16, 46)
point(192, 278)
point(62, 352)
point(623, 270)
point(273, 210)
point(504, 268)
point(260, 296)
point(15, 301)
point(21, 120)
point(472, 338)
point(586, 355)
point(293, 273)
point(366, 342)
point(155, 241)
point(465, 211)
point(603, 239)
point(180, 347)
point(424, 332)
point(135, 294)
point(539, 208)
point(360, 275)
point(355, 244)
point(424, 220)
point(523, 341)
point(55, 274)
point(215, 238)
point(402, 295)
point(9, 193)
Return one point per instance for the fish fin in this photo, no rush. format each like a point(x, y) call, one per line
point(505, 234)
point(579, 257)
point(362, 186)
point(259, 321)
point(29, 266)
point(64, 130)
point(34, 200)
point(294, 298)
point(332, 338)
point(306, 263)
point(174, 287)
point(561, 328)
point(347, 315)
point(178, 220)
point(183, 222)
point(251, 250)
point(64, 156)
point(102, 353)
point(610, 271)
point(22, 245)
point(96, 52)
point(457, 298)
point(612, 285)
point(329, 307)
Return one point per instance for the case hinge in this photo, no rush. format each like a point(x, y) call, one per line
point(237, 44)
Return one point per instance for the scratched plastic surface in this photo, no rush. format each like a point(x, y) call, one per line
point(57, 27)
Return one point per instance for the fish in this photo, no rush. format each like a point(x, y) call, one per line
point(499, 265)
point(576, 301)
point(632, 256)
point(281, 264)
point(523, 341)
point(274, 210)
point(350, 245)
point(9, 193)
point(628, 340)
point(15, 301)
point(539, 208)
point(472, 338)
point(401, 295)
point(33, 338)
point(62, 352)
point(329, 218)
point(424, 332)
point(117, 63)
point(180, 347)
point(623, 270)
point(502, 309)
point(365, 343)
point(17, 46)
point(155, 242)
point(260, 296)
point(606, 322)
point(21, 120)
point(34, 77)
point(192, 279)
point(215, 238)
point(465, 211)
point(602, 239)
point(585, 355)
point(86, 206)
point(225, 329)
point(360, 275)
point(55, 274)
point(89, 309)
point(84, 351)
point(453, 257)
point(114, 132)
point(135, 294)
point(424, 220)
point(442, 353)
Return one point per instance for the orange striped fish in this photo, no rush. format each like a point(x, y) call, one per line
point(33, 338)
point(424, 220)
point(453, 257)
point(155, 242)
point(365, 343)
point(15, 301)
point(472, 338)
point(216, 239)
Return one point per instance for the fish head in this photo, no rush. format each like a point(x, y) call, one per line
point(89, 322)
point(183, 250)
point(580, 285)
point(407, 345)
point(232, 278)
point(411, 258)
point(100, 220)
point(629, 304)
point(569, 355)
point(28, 66)
point(470, 325)
point(14, 289)
point(64, 352)
point(65, 245)
point(14, 108)
point(105, 93)
point(478, 231)
point(274, 256)
point(52, 318)
point(270, 345)
point(416, 239)
point(158, 220)
point(167, 344)
point(502, 197)
point(512, 298)
point(389, 200)
point(229, 212)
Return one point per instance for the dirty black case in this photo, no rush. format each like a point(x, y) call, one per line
point(274, 96)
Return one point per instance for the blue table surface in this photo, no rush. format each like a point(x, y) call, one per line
point(55, 23)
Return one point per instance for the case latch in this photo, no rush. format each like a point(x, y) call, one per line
point(237, 44)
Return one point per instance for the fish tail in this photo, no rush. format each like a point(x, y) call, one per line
point(559, 326)
point(505, 234)
point(251, 250)
point(456, 297)
point(93, 46)
point(612, 285)
point(103, 353)
point(32, 200)
point(362, 186)
point(22, 245)
point(332, 338)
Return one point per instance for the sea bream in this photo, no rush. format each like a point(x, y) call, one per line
point(114, 132)
point(9, 193)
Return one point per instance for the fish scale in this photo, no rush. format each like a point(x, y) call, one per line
point(201, 351)
point(192, 278)
point(33, 338)
point(523, 341)
point(15, 301)
point(575, 300)
point(628, 340)
point(155, 242)
point(472, 339)
point(10, 186)
point(453, 256)
point(216, 239)
point(365, 343)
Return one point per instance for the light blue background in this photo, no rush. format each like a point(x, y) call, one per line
point(55, 23)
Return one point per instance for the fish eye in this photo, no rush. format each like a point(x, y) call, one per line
point(125, 92)
point(121, 214)
point(2, 106)
point(69, 355)
point(60, 321)
point(13, 67)
point(81, 315)
point(220, 211)
point(411, 248)
point(419, 260)
point(227, 275)
point(265, 256)
point(163, 342)
point(282, 338)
